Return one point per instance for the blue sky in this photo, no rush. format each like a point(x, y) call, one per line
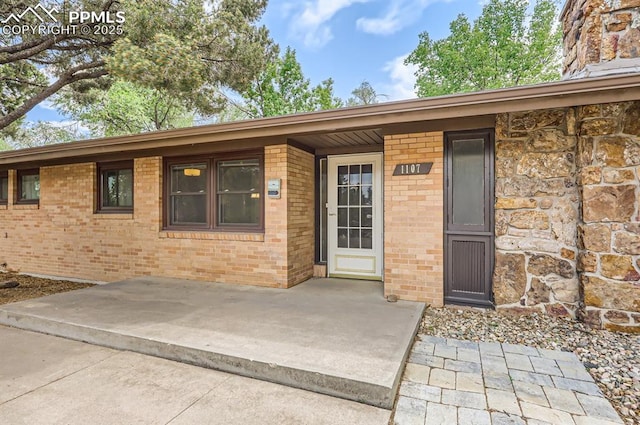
point(351, 40)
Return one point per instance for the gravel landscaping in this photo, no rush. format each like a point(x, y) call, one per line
point(613, 359)
point(34, 287)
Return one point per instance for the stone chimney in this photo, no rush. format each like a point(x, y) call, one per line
point(601, 37)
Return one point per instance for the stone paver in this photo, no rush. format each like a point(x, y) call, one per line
point(488, 383)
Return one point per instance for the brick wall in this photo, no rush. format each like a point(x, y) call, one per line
point(301, 216)
point(413, 219)
point(63, 237)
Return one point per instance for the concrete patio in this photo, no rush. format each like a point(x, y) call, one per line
point(335, 337)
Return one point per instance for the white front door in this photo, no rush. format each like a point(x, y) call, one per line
point(354, 222)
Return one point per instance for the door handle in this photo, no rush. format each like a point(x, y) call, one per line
point(332, 214)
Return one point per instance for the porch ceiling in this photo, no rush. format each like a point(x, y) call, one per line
point(342, 139)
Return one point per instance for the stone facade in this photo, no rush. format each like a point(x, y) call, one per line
point(537, 211)
point(609, 158)
point(108, 247)
point(567, 222)
point(413, 219)
point(601, 37)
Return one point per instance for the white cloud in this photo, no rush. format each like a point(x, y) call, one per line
point(399, 14)
point(402, 79)
point(310, 22)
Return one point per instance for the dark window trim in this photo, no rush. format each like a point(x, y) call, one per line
point(107, 166)
point(211, 160)
point(318, 211)
point(4, 175)
point(19, 175)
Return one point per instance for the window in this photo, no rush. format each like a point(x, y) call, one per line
point(214, 193)
point(115, 187)
point(4, 187)
point(28, 186)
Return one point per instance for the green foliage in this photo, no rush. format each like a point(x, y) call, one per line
point(126, 108)
point(504, 47)
point(38, 134)
point(364, 94)
point(189, 49)
point(282, 89)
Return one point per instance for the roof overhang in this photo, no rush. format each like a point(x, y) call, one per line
point(365, 123)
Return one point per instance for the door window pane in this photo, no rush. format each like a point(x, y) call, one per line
point(354, 174)
point(342, 217)
point(343, 238)
point(355, 190)
point(343, 175)
point(343, 196)
point(354, 238)
point(467, 179)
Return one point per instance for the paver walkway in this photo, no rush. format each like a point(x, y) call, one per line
point(448, 381)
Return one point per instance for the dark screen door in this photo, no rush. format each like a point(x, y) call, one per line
point(469, 217)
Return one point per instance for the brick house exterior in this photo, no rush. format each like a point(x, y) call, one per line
point(531, 199)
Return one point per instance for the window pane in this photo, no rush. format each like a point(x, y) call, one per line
point(117, 190)
point(30, 186)
point(189, 209)
point(189, 178)
point(354, 195)
point(468, 181)
point(367, 174)
point(367, 238)
point(354, 238)
point(4, 188)
point(239, 176)
point(239, 208)
point(354, 217)
point(367, 195)
point(343, 196)
point(367, 217)
point(343, 239)
point(343, 175)
point(342, 217)
point(354, 174)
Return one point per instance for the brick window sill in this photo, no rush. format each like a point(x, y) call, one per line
point(25, 206)
point(217, 236)
point(111, 216)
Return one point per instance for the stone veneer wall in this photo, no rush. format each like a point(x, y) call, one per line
point(599, 32)
point(536, 211)
point(567, 213)
point(609, 262)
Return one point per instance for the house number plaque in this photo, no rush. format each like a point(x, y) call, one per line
point(412, 169)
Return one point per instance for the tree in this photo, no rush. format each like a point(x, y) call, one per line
point(39, 133)
point(504, 47)
point(126, 108)
point(282, 89)
point(364, 94)
point(188, 48)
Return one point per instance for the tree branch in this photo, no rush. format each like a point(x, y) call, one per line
point(77, 73)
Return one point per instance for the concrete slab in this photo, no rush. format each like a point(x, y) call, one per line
point(332, 336)
point(114, 387)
